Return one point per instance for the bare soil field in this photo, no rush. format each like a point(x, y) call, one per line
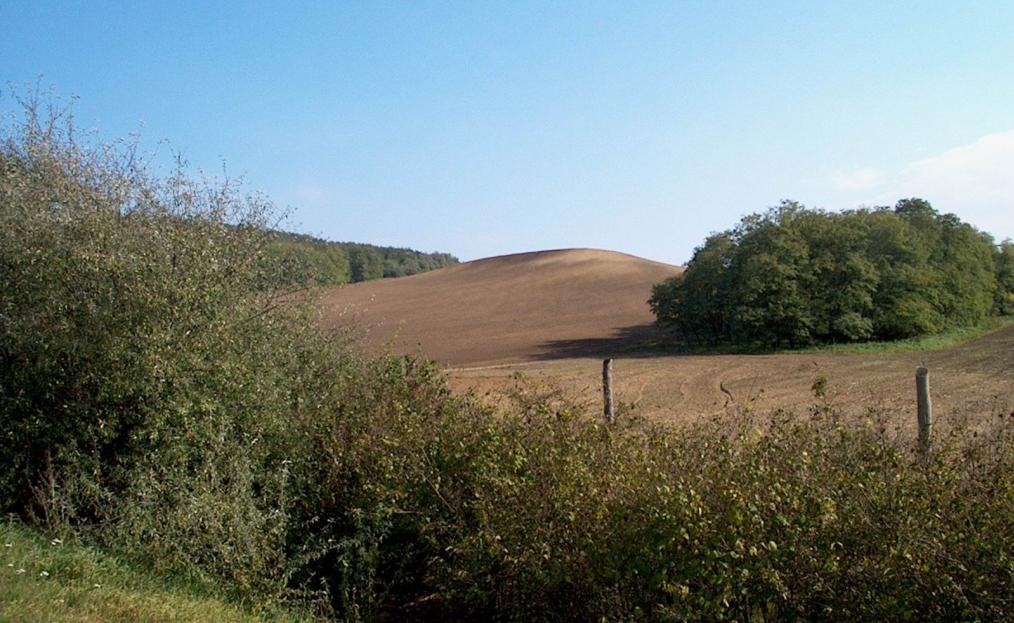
point(973, 380)
point(553, 316)
point(512, 308)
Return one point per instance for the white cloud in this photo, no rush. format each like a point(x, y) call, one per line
point(860, 179)
point(974, 181)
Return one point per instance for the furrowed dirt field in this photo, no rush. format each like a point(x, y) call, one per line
point(553, 316)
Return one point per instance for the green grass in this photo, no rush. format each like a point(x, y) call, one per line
point(924, 343)
point(938, 341)
point(45, 579)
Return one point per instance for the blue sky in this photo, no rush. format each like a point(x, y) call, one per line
point(483, 128)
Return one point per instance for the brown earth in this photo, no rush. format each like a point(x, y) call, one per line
point(973, 380)
point(512, 308)
point(553, 315)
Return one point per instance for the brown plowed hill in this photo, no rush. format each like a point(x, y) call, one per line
point(522, 307)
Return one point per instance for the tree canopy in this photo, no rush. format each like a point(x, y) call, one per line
point(301, 260)
point(796, 276)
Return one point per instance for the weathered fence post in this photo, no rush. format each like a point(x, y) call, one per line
point(925, 408)
point(607, 389)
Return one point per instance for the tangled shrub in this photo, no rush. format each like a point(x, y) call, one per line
point(139, 390)
point(152, 383)
point(545, 515)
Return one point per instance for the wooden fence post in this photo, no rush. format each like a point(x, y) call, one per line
point(925, 408)
point(607, 390)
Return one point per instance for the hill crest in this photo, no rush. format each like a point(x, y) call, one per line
point(516, 307)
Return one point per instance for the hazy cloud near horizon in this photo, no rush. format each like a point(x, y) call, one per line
point(857, 180)
point(974, 181)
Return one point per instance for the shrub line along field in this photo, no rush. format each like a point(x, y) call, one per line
point(553, 315)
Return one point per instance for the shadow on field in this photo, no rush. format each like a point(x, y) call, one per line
point(640, 341)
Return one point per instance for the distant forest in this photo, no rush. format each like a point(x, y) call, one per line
point(302, 260)
point(797, 276)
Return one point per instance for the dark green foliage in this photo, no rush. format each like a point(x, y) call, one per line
point(444, 512)
point(795, 276)
point(1005, 278)
point(370, 262)
point(162, 394)
point(300, 261)
point(145, 372)
point(695, 302)
point(404, 262)
point(367, 263)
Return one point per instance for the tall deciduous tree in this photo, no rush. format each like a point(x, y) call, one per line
point(366, 262)
point(1004, 300)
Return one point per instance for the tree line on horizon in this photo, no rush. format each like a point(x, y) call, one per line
point(796, 276)
point(301, 260)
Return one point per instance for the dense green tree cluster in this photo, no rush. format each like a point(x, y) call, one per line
point(796, 276)
point(399, 262)
point(301, 260)
point(1005, 278)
